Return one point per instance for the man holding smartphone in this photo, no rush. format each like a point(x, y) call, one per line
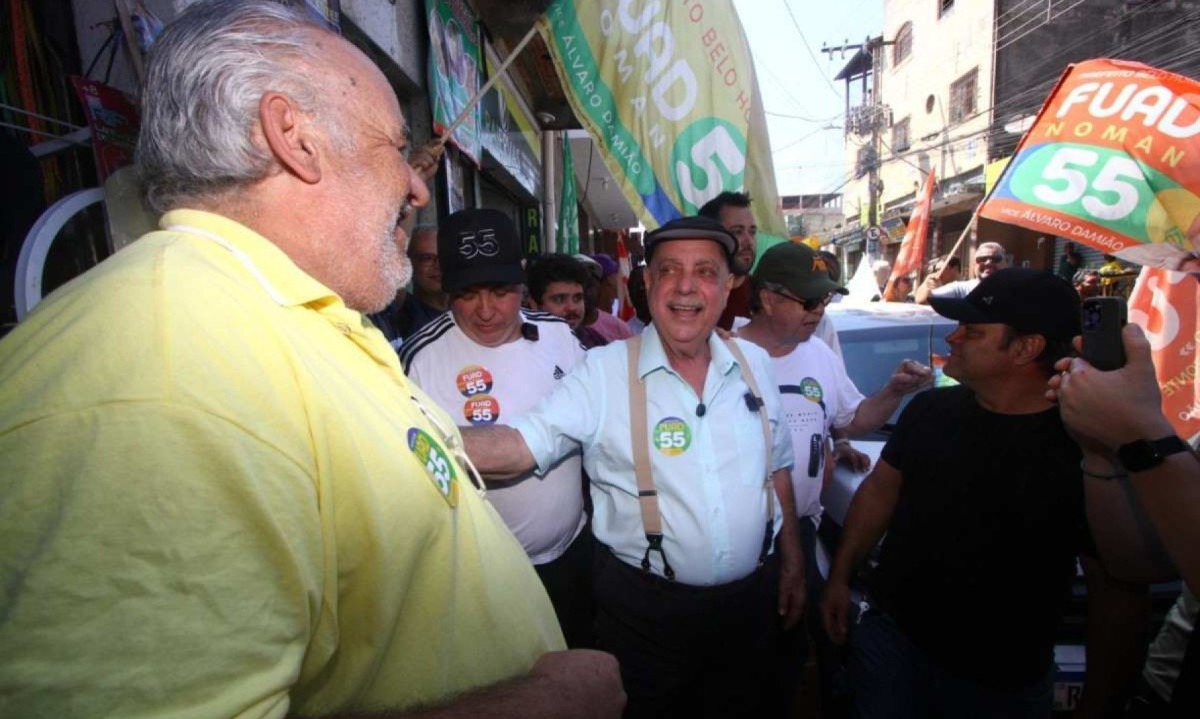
point(980, 495)
point(1131, 450)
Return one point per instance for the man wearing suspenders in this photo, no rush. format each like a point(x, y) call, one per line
point(698, 564)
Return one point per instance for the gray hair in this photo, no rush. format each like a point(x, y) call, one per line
point(205, 77)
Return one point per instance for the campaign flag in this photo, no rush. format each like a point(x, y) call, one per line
point(911, 257)
point(1112, 161)
point(626, 309)
point(1166, 305)
point(454, 71)
point(669, 94)
point(568, 207)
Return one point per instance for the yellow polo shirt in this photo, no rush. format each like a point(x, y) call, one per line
point(218, 499)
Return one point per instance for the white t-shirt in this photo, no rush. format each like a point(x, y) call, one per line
point(485, 385)
point(957, 289)
point(824, 331)
point(817, 395)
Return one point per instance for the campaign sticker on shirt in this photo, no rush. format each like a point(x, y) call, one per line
point(482, 409)
point(672, 436)
point(811, 389)
point(437, 464)
point(473, 380)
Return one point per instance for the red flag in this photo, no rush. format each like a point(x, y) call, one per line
point(1110, 161)
point(1166, 304)
point(911, 257)
point(626, 310)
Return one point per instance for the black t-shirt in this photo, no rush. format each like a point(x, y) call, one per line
point(980, 553)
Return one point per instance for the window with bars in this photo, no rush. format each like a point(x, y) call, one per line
point(904, 44)
point(962, 96)
point(900, 136)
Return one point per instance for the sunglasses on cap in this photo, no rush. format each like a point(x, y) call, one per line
point(810, 304)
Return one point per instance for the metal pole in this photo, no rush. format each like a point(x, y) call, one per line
point(549, 186)
point(462, 116)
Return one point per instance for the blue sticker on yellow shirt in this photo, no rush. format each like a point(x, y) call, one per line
point(438, 465)
point(672, 436)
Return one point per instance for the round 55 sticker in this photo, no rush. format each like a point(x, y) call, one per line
point(438, 465)
point(672, 436)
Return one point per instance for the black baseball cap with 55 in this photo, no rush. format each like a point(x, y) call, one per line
point(479, 246)
point(1029, 301)
point(691, 228)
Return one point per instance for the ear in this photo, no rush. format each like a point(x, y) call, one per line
point(1027, 348)
point(289, 137)
point(766, 300)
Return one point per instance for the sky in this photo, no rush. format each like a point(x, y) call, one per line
point(801, 99)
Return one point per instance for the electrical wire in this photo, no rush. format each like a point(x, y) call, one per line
point(811, 54)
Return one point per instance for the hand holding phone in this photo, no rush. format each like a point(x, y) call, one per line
point(1102, 319)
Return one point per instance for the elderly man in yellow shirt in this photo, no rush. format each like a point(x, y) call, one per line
point(221, 497)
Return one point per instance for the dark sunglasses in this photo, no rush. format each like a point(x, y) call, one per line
point(994, 259)
point(809, 304)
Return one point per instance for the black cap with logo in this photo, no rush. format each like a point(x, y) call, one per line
point(479, 247)
point(1029, 301)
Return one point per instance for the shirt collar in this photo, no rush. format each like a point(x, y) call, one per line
point(280, 278)
point(653, 357)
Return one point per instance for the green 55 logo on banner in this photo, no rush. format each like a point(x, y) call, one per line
point(708, 157)
point(1095, 184)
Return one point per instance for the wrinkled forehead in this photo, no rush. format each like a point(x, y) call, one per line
point(688, 252)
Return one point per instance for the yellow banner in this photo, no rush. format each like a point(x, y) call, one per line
point(669, 94)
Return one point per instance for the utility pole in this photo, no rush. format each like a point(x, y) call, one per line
point(870, 118)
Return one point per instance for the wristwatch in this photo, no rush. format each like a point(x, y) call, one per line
point(1145, 454)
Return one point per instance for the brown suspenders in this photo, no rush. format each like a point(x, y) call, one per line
point(639, 436)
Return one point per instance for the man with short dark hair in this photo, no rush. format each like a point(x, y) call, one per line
point(732, 210)
point(1088, 284)
point(488, 361)
point(558, 284)
point(980, 494)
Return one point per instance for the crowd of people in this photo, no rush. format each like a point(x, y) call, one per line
point(248, 473)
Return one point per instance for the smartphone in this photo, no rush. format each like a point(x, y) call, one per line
point(1102, 320)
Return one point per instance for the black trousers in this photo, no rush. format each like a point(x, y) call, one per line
point(688, 651)
point(568, 581)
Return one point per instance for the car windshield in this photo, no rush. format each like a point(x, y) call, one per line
point(876, 337)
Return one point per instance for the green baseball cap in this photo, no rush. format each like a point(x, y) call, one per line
point(798, 269)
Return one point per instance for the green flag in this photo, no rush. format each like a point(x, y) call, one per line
point(668, 92)
point(568, 207)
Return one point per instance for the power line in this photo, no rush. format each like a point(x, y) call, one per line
point(811, 54)
point(831, 118)
point(802, 139)
point(1166, 52)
